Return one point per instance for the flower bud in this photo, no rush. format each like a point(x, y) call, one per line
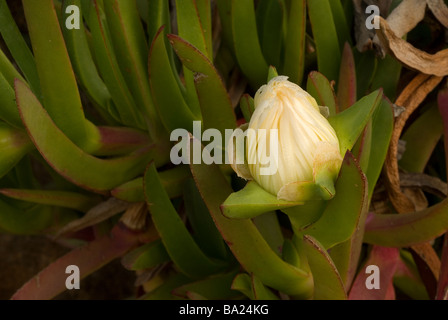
point(307, 145)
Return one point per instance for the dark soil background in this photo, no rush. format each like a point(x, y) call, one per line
point(22, 257)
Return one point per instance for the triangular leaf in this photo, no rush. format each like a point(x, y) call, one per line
point(252, 201)
point(342, 213)
point(350, 123)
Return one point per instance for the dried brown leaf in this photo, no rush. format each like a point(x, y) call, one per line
point(417, 197)
point(135, 216)
point(410, 98)
point(433, 64)
point(97, 214)
point(406, 16)
point(440, 10)
point(427, 183)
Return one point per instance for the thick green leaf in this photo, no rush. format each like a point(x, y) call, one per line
point(346, 254)
point(225, 14)
point(164, 291)
point(57, 79)
point(168, 98)
point(213, 288)
point(419, 147)
point(31, 220)
point(204, 8)
point(8, 70)
point(23, 175)
point(131, 191)
point(306, 214)
point(348, 7)
point(172, 180)
point(63, 199)
point(269, 17)
point(247, 106)
point(387, 74)
point(260, 291)
point(325, 37)
point(145, 257)
point(83, 63)
point(291, 255)
point(382, 127)
point(190, 28)
point(246, 243)
point(340, 22)
point(252, 201)
point(179, 243)
point(14, 144)
point(327, 281)
point(158, 16)
point(252, 287)
point(131, 50)
point(270, 229)
point(351, 122)
point(366, 65)
point(320, 88)
point(294, 63)
point(115, 141)
point(347, 79)
point(361, 149)
point(243, 283)
point(18, 47)
point(403, 230)
point(343, 212)
point(204, 230)
point(190, 25)
point(246, 42)
point(216, 107)
point(143, 9)
point(407, 278)
point(124, 107)
point(68, 159)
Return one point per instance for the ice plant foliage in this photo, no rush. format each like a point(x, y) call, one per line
point(133, 107)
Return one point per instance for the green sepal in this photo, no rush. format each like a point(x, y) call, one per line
point(252, 201)
point(350, 123)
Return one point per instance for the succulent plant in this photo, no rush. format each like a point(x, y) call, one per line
point(94, 92)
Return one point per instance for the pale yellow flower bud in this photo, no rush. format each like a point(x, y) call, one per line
point(306, 140)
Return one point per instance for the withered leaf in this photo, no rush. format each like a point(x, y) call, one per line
point(440, 10)
point(101, 212)
point(406, 16)
point(427, 183)
point(433, 64)
point(410, 98)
